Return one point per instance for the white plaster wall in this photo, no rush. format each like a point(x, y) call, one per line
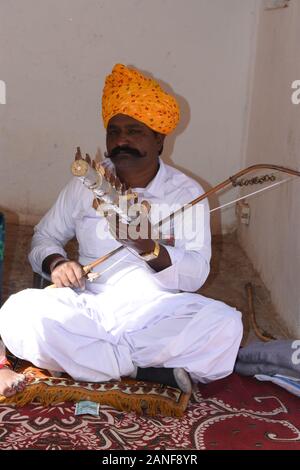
point(55, 54)
point(272, 239)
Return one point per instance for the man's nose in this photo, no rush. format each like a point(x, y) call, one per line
point(122, 139)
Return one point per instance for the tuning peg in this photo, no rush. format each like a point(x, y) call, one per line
point(109, 177)
point(107, 174)
point(78, 155)
point(118, 185)
point(96, 203)
point(124, 188)
point(100, 168)
point(112, 180)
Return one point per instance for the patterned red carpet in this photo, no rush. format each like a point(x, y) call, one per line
point(233, 413)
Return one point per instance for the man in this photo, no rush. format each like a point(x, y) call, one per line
point(140, 318)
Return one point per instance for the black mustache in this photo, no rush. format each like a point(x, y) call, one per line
point(124, 149)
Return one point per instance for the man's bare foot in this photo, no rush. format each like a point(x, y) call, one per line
point(11, 382)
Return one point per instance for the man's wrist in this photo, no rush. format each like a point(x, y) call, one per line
point(56, 262)
point(144, 246)
point(152, 254)
point(52, 261)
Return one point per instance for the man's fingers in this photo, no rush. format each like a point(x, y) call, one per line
point(57, 281)
point(71, 278)
point(79, 275)
point(120, 235)
point(138, 229)
point(112, 224)
point(123, 231)
point(118, 229)
point(60, 279)
point(146, 205)
point(69, 274)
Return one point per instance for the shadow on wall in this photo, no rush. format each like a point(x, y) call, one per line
point(185, 117)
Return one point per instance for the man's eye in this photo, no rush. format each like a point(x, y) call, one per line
point(134, 131)
point(111, 132)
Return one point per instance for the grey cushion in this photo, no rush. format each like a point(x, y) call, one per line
point(274, 357)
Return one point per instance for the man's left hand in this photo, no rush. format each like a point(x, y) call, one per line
point(136, 235)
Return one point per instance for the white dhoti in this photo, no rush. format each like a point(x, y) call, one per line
point(105, 335)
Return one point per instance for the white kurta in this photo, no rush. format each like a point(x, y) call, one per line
point(132, 316)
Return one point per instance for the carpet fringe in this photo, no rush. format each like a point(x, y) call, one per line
point(52, 395)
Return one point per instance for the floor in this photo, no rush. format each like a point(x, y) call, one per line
point(230, 271)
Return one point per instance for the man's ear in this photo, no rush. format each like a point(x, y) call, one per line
point(160, 138)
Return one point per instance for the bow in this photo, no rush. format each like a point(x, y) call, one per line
point(232, 180)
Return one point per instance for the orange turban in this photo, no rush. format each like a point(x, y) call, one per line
point(127, 91)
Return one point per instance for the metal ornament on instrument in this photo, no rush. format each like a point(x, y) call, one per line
point(110, 195)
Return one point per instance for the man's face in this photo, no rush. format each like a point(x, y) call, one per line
point(131, 143)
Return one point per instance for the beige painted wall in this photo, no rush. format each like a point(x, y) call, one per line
point(272, 239)
point(54, 55)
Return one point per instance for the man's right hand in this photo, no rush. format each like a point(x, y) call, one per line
point(68, 274)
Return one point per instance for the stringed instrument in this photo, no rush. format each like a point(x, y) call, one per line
point(109, 192)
